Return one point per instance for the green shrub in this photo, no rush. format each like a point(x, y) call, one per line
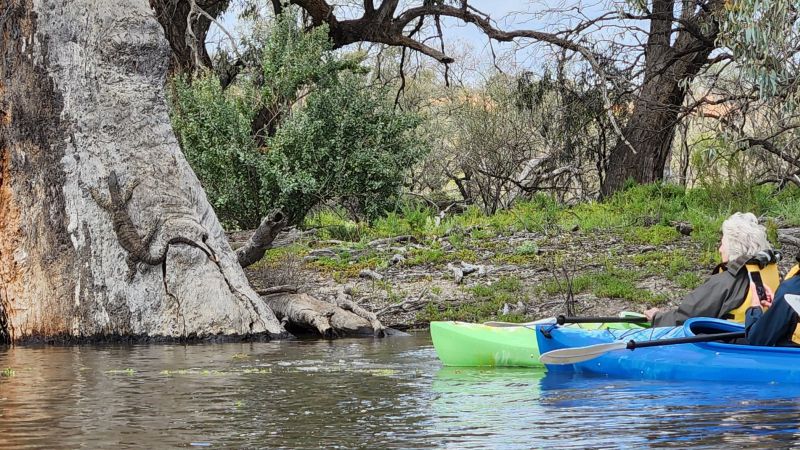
point(343, 143)
point(527, 248)
point(347, 144)
point(214, 131)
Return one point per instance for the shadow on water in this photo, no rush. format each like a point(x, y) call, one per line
point(359, 394)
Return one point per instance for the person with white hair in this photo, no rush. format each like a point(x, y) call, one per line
point(726, 292)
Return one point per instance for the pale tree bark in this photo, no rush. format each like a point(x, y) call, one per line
point(82, 106)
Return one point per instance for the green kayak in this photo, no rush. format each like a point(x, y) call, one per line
point(463, 344)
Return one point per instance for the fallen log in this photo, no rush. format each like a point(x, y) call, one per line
point(283, 288)
point(344, 302)
point(789, 236)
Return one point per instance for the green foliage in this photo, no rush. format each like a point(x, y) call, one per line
point(329, 136)
point(612, 282)
point(641, 215)
point(786, 206)
point(293, 59)
point(762, 38)
point(621, 284)
point(276, 257)
point(580, 283)
point(409, 218)
point(344, 265)
point(8, 372)
point(346, 144)
point(333, 224)
point(689, 280)
point(527, 248)
point(214, 130)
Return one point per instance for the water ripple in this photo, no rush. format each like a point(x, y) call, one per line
point(390, 393)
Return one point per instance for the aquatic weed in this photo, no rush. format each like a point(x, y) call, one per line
point(129, 372)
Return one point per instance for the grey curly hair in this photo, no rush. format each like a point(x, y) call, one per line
point(742, 235)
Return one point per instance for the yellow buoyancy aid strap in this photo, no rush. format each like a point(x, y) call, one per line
point(796, 334)
point(793, 272)
point(766, 276)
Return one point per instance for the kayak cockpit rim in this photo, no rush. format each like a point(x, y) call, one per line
point(706, 325)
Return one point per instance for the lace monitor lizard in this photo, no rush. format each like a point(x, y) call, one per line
point(138, 247)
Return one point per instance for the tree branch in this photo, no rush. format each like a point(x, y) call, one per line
point(262, 238)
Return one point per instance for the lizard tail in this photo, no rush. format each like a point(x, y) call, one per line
point(156, 260)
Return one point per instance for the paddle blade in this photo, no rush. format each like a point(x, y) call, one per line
point(580, 354)
point(793, 301)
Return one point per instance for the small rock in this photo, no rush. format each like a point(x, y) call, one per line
point(458, 274)
point(684, 228)
point(647, 249)
point(322, 252)
point(575, 228)
point(506, 309)
point(471, 268)
point(396, 259)
point(370, 274)
point(310, 258)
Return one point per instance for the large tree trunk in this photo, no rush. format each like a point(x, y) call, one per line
point(82, 109)
point(650, 132)
point(188, 49)
point(669, 68)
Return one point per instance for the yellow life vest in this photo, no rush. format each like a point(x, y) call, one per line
point(792, 272)
point(767, 275)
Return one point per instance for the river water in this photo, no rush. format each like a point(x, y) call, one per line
point(359, 393)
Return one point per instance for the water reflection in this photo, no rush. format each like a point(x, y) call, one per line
point(517, 408)
point(360, 394)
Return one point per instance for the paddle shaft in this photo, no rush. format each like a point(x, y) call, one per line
point(685, 340)
point(561, 320)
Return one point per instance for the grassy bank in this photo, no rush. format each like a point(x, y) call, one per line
point(626, 248)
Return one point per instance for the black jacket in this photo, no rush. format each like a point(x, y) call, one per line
point(718, 296)
point(776, 326)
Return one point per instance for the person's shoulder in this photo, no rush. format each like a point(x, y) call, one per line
point(792, 283)
point(719, 282)
point(737, 265)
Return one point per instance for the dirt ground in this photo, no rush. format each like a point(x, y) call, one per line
point(409, 280)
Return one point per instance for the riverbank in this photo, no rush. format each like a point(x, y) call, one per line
point(646, 247)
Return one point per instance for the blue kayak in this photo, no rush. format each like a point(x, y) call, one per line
point(713, 361)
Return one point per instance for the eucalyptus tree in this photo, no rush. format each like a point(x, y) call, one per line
point(104, 228)
point(668, 42)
